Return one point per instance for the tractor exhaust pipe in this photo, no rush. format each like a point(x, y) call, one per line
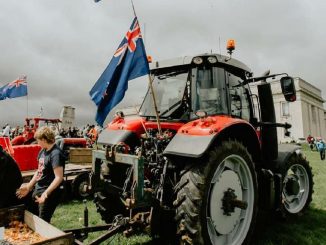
point(268, 134)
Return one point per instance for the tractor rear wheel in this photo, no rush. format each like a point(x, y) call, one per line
point(297, 185)
point(217, 201)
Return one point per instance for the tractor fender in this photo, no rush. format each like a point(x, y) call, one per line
point(285, 151)
point(195, 145)
point(18, 140)
point(112, 137)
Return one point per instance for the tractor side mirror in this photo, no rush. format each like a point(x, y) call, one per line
point(288, 89)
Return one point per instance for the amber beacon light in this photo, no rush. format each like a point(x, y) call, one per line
point(230, 46)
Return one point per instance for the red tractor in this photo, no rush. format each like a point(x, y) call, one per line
point(30, 127)
point(199, 174)
point(32, 124)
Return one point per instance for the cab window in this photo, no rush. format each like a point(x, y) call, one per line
point(239, 98)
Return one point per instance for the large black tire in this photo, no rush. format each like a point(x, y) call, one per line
point(10, 180)
point(228, 169)
point(109, 205)
point(297, 185)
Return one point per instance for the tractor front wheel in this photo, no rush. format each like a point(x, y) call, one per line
point(217, 201)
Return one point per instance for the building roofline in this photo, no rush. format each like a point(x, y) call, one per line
point(309, 84)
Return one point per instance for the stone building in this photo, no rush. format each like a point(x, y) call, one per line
point(307, 114)
point(67, 117)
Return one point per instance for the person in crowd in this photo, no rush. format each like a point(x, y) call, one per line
point(92, 134)
point(85, 131)
point(321, 147)
point(55, 130)
point(15, 132)
point(311, 141)
point(63, 133)
point(6, 131)
point(69, 132)
point(75, 132)
point(46, 184)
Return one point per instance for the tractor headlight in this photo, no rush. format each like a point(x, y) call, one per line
point(212, 59)
point(197, 60)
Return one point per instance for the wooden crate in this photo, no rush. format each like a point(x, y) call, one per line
point(53, 235)
point(82, 156)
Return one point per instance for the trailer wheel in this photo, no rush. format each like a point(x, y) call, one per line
point(217, 201)
point(297, 185)
point(79, 185)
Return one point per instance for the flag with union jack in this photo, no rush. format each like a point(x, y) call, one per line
point(16, 88)
point(128, 62)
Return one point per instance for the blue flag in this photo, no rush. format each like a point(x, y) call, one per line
point(128, 62)
point(14, 89)
point(2, 95)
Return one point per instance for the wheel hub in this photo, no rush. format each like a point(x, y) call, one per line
point(292, 186)
point(224, 215)
point(230, 202)
point(296, 187)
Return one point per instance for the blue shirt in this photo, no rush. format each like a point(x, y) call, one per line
point(320, 145)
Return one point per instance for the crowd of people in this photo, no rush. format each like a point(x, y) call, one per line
point(89, 132)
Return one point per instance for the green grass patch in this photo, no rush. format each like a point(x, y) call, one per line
point(308, 229)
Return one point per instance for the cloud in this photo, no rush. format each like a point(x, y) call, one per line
point(64, 46)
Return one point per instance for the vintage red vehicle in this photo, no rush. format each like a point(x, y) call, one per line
point(27, 138)
point(30, 127)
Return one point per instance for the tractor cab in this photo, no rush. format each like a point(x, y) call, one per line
point(211, 83)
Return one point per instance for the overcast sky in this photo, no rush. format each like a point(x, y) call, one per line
point(64, 46)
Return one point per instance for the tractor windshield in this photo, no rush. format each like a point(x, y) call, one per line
point(169, 93)
point(209, 90)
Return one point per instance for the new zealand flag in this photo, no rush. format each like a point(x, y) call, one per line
point(128, 62)
point(14, 89)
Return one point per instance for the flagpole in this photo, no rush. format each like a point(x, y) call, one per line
point(155, 105)
point(27, 105)
point(133, 7)
point(151, 87)
point(27, 98)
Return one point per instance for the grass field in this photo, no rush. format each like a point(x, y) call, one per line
point(309, 229)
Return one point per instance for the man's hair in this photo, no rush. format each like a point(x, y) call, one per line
point(45, 133)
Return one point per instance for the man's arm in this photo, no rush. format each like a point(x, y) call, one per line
point(25, 188)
